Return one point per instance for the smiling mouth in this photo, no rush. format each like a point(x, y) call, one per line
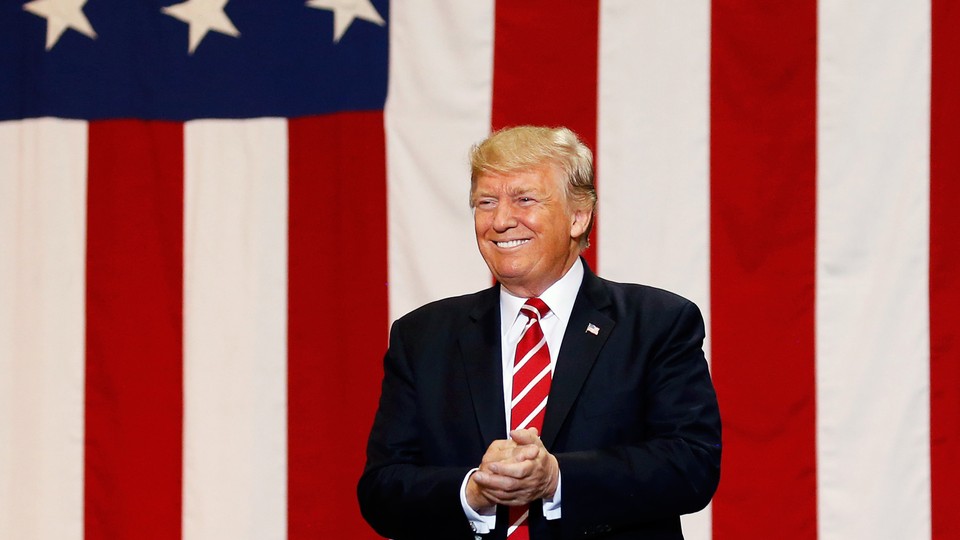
point(512, 243)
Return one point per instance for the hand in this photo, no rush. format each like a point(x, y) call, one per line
point(515, 471)
point(498, 450)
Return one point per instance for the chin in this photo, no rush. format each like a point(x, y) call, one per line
point(515, 281)
point(508, 271)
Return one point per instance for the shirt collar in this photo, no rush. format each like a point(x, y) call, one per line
point(560, 297)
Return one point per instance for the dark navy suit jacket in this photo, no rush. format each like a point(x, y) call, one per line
point(632, 417)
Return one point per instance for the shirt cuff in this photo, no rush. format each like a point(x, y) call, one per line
point(551, 506)
point(481, 524)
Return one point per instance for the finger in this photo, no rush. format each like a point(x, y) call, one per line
point(527, 452)
point(525, 436)
point(492, 482)
point(498, 450)
point(509, 499)
point(518, 470)
point(500, 445)
point(523, 453)
point(476, 498)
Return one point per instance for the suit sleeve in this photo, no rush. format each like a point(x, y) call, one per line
point(670, 465)
point(399, 495)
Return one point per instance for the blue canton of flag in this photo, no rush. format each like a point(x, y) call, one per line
point(197, 59)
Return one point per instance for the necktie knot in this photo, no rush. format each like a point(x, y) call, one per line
point(535, 308)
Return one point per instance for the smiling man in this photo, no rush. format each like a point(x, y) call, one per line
point(555, 404)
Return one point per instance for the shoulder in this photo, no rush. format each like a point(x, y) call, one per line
point(650, 314)
point(635, 297)
point(641, 309)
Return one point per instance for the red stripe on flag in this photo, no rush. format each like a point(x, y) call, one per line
point(945, 271)
point(763, 157)
point(134, 367)
point(337, 315)
point(545, 69)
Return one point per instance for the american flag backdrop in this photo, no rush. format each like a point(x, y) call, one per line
point(210, 212)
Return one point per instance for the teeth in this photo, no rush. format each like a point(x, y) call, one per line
point(511, 243)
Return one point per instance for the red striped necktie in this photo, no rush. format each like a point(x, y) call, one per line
point(531, 386)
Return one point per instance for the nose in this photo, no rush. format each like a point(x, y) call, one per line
point(504, 218)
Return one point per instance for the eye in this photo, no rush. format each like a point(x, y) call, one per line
point(485, 203)
point(525, 200)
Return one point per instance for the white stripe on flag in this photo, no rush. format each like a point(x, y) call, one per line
point(653, 154)
point(439, 99)
point(872, 254)
point(43, 242)
point(235, 259)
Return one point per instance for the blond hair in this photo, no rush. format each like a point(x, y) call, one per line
point(522, 148)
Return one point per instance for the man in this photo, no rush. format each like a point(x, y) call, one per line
point(555, 404)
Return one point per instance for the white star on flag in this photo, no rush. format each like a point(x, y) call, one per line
point(203, 16)
point(345, 11)
point(60, 15)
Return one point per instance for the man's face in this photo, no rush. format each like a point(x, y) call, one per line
point(526, 231)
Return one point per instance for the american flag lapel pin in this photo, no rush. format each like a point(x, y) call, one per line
point(593, 329)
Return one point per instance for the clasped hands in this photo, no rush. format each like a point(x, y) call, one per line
point(513, 472)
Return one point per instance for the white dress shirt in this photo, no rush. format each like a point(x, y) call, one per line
point(560, 298)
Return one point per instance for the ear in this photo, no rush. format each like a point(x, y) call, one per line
point(579, 221)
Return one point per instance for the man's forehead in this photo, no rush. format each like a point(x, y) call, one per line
point(532, 179)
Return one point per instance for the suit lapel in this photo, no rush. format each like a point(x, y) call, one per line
point(587, 331)
point(480, 352)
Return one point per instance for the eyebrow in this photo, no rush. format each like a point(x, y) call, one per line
point(524, 190)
